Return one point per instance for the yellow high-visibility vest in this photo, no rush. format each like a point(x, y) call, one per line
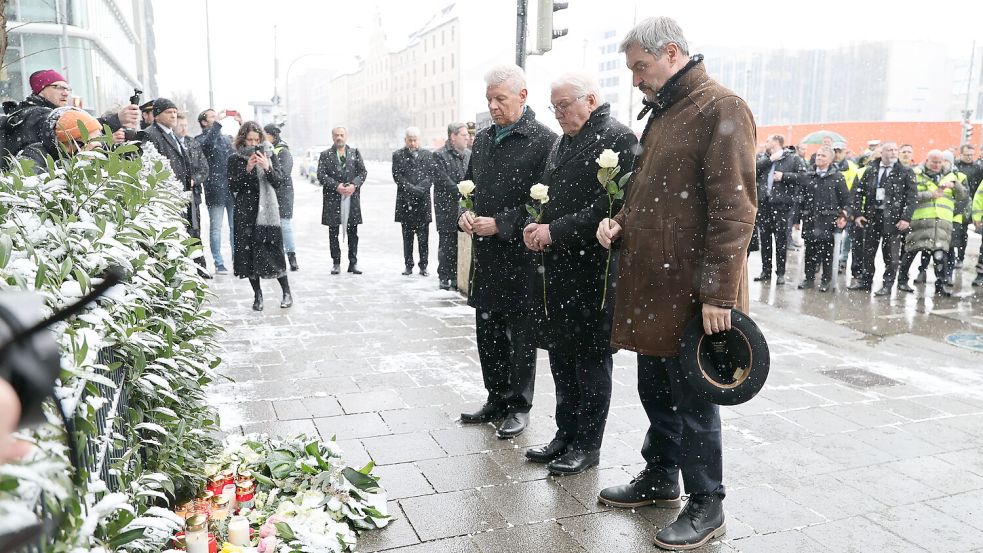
point(942, 208)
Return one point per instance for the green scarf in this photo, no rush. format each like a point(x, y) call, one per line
point(502, 132)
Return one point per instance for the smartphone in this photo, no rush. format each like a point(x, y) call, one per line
point(231, 112)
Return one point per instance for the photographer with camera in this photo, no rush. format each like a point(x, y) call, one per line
point(255, 175)
point(59, 136)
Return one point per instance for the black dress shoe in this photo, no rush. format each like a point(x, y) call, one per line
point(288, 300)
point(978, 281)
point(513, 425)
point(859, 286)
point(648, 488)
point(204, 274)
point(824, 287)
point(353, 269)
point(423, 272)
point(574, 461)
point(905, 287)
point(445, 285)
point(487, 413)
point(921, 278)
point(780, 281)
point(336, 268)
point(942, 292)
point(701, 520)
point(408, 271)
point(258, 302)
point(807, 284)
point(763, 277)
point(292, 261)
point(883, 291)
point(548, 452)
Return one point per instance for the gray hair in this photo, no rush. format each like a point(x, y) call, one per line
point(654, 34)
point(827, 149)
point(509, 73)
point(339, 127)
point(935, 153)
point(412, 131)
point(454, 127)
point(582, 84)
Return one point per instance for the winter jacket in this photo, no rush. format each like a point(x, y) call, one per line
point(974, 174)
point(688, 216)
point(330, 173)
point(823, 199)
point(931, 222)
point(285, 193)
point(217, 148)
point(258, 249)
point(503, 173)
point(782, 192)
point(199, 165)
point(449, 169)
point(898, 203)
point(977, 211)
point(413, 173)
point(180, 162)
point(575, 262)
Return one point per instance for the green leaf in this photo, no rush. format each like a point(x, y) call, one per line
point(126, 537)
point(8, 483)
point(39, 280)
point(602, 176)
point(623, 181)
point(612, 188)
point(619, 195)
point(284, 532)
point(83, 279)
point(6, 247)
point(367, 468)
point(361, 481)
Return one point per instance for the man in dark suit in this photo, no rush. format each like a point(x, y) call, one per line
point(509, 157)
point(883, 203)
point(450, 165)
point(172, 147)
point(413, 173)
point(341, 173)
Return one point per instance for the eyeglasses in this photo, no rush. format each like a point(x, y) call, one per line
point(61, 87)
point(563, 107)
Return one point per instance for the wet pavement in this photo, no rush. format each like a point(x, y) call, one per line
point(868, 436)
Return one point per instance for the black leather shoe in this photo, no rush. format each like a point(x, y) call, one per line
point(487, 413)
point(336, 268)
point(978, 281)
point(824, 287)
point(204, 274)
point(513, 425)
point(883, 291)
point(445, 285)
point(288, 300)
point(905, 287)
point(574, 461)
point(548, 452)
point(763, 277)
point(423, 272)
point(921, 278)
point(859, 286)
point(780, 281)
point(701, 520)
point(258, 302)
point(648, 488)
point(353, 269)
point(942, 292)
point(292, 260)
point(408, 271)
point(807, 284)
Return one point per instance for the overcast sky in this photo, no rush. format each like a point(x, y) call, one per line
point(242, 32)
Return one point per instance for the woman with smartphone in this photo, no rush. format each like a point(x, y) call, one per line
point(254, 176)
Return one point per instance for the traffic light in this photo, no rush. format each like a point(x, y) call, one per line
point(545, 33)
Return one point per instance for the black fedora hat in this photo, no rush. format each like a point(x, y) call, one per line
point(726, 368)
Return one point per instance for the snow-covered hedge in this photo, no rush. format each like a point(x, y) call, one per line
point(58, 233)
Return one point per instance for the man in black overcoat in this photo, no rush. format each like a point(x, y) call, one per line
point(341, 173)
point(575, 328)
point(450, 166)
point(413, 173)
point(509, 157)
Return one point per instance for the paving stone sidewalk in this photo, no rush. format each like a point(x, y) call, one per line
point(861, 441)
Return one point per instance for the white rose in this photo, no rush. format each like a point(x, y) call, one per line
point(540, 193)
point(465, 187)
point(608, 158)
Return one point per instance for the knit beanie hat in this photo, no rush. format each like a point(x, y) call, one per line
point(43, 78)
point(161, 105)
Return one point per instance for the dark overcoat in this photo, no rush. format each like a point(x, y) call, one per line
point(900, 196)
point(330, 173)
point(450, 166)
point(575, 263)
point(285, 193)
point(217, 148)
point(503, 171)
point(413, 173)
point(822, 199)
point(258, 250)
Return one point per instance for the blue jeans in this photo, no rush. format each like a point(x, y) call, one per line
point(215, 231)
point(287, 230)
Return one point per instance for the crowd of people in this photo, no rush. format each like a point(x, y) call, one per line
point(848, 208)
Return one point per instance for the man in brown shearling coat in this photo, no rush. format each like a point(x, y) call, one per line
point(684, 232)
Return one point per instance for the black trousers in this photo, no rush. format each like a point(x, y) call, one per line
point(507, 352)
point(819, 253)
point(940, 264)
point(422, 233)
point(583, 395)
point(684, 431)
point(890, 245)
point(773, 223)
point(447, 255)
point(333, 234)
point(960, 239)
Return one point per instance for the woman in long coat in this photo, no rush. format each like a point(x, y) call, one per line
point(254, 176)
point(574, 327)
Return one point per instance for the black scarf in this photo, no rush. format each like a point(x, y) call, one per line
point(663, 97)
